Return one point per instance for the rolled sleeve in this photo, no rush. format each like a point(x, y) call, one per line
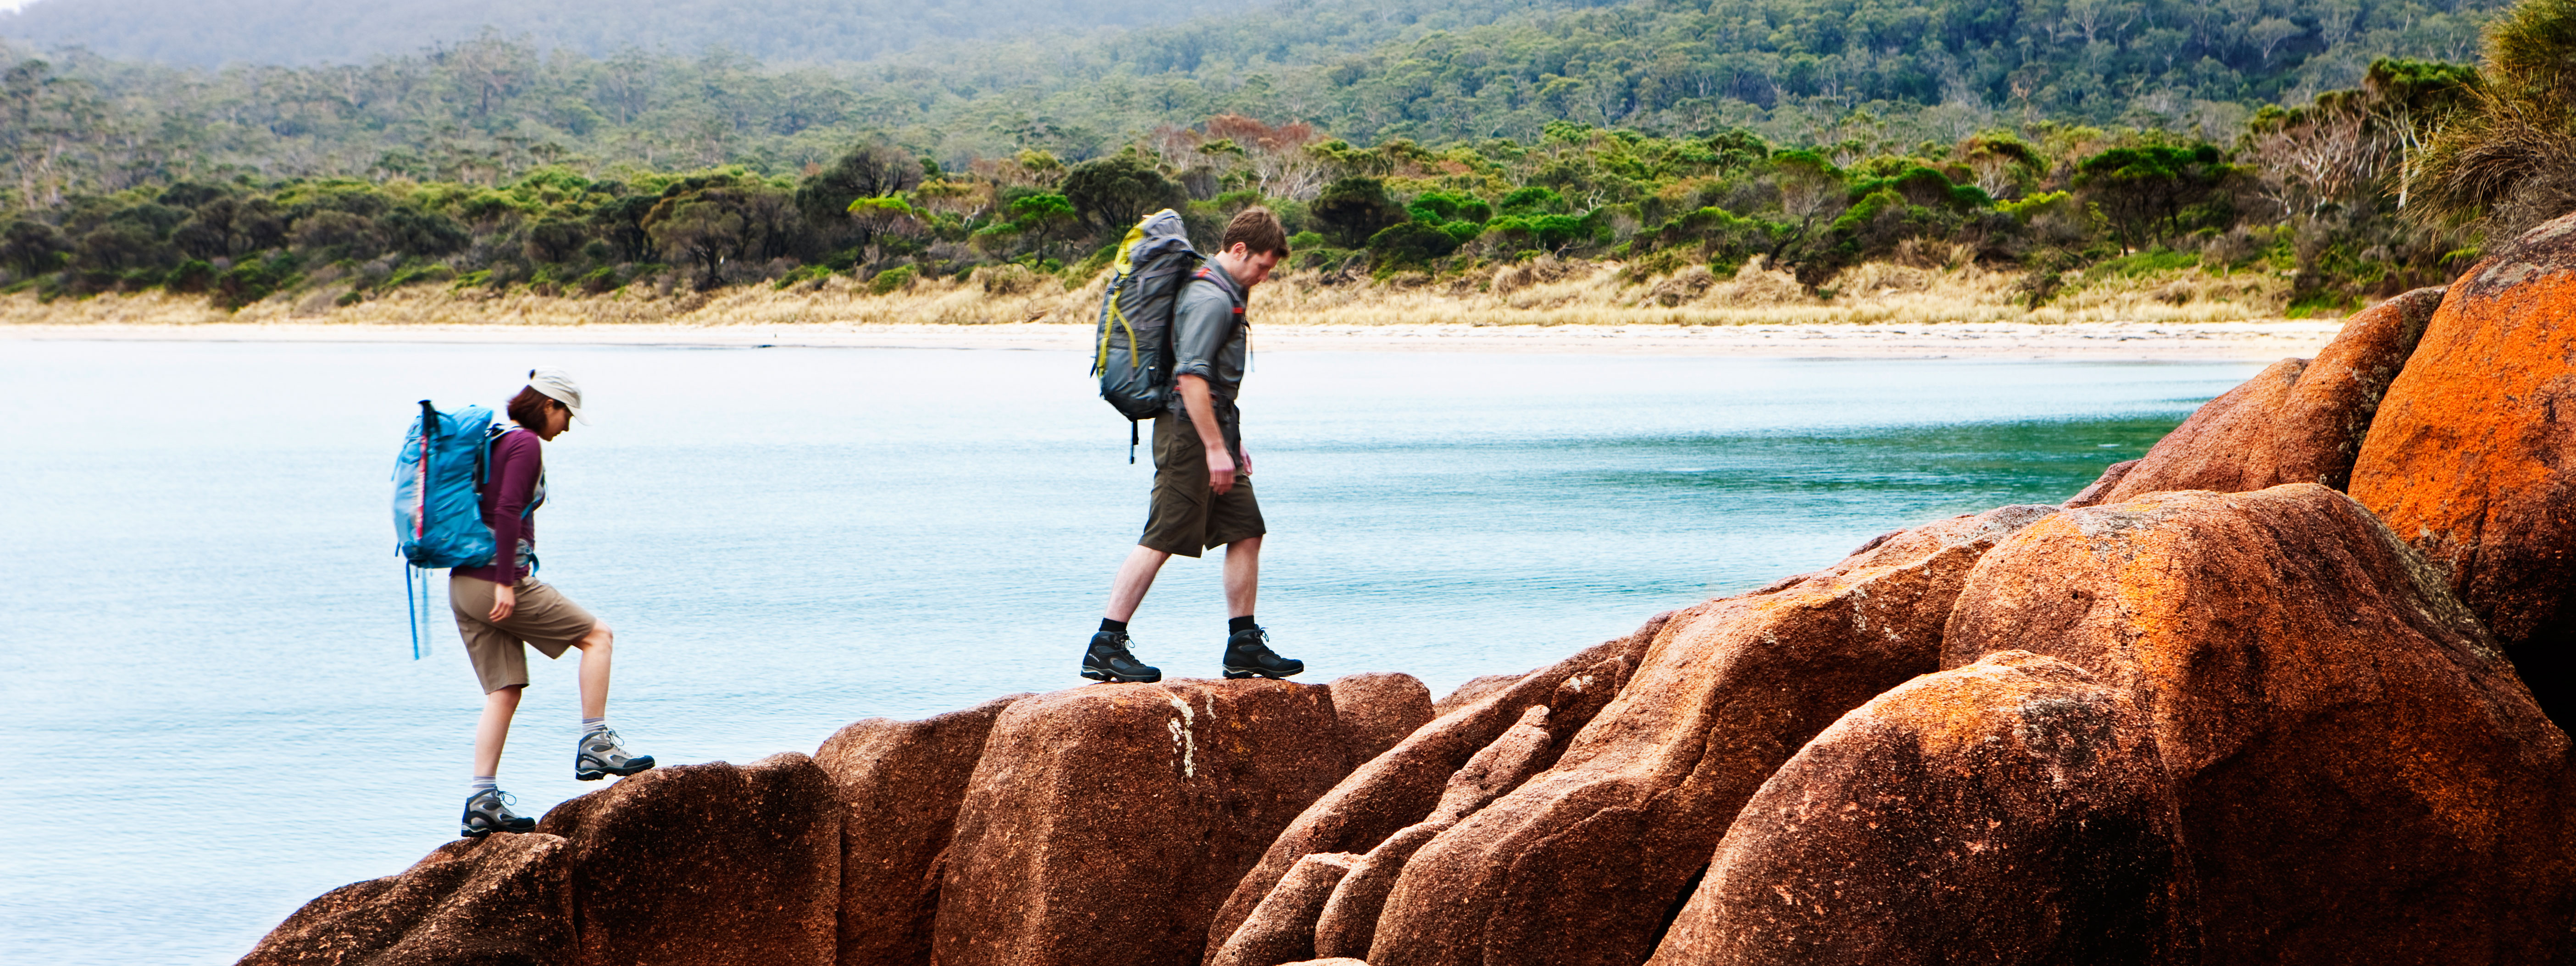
point(1201, 326)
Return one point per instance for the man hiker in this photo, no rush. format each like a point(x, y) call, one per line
point(502, 606)
point(1202, 476)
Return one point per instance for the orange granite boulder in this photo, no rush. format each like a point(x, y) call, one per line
point(2012, 811)
point(706, 865)
point(1582, 863)
point(501, 899)
point(2355, 764)
point(1378, 710)
point(1104, 824)
point(2473, 457)
point(899, 784)
point(1401, 787)
point(2298, 421)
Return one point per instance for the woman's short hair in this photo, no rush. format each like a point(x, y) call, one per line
point(528, 408)
point(1259, 230)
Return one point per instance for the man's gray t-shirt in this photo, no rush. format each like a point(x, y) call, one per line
point(1211, 340)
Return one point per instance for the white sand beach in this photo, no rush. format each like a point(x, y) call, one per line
point(2196, 342)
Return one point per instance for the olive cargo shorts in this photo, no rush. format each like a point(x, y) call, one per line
point(544, 618)
point(1188, 516)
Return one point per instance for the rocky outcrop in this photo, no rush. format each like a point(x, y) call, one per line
point(504, 900)
point(1348, 922)
point(2473, 457)
point(1583, 862)
point(2354, 764)
point(2298, 421)
point(1401, 787)
point(706, 865)
point(1474, 690)
point(2013, 811)
point(899, 784)
point(1378, 710)
point(1282, 928)
point(1105, 824)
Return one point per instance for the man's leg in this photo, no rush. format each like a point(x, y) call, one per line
point(1107, 658)
point(1247, 646)
point(1135, 577)
point(1242, 576)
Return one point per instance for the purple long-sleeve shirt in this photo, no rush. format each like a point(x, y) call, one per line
point(517, 484)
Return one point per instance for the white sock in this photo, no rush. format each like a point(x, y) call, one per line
point(592, 726)
point(483, 783)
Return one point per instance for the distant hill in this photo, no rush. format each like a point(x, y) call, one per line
point(409, 86)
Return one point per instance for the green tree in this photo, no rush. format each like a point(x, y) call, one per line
point(1115, 192)
point(1353, 209)
point(2146, 192)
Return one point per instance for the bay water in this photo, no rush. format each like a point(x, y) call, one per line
point(210, 712)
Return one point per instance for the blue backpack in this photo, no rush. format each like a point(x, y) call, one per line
point(438, 502)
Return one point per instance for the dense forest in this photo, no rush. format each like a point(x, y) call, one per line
point(2053, 138)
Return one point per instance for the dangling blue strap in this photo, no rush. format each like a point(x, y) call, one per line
point(416, 606)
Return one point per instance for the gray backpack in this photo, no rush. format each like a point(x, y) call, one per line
point(1134, 362)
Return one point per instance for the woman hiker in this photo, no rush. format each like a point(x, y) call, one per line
point(501, 605)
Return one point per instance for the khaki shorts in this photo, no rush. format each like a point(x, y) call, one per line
point(1187, 515)
point(543, 618)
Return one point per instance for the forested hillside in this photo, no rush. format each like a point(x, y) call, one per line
point(2059, 139)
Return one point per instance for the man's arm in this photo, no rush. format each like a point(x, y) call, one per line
point(1202, 409)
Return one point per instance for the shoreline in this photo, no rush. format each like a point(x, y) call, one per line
point(2263, 341)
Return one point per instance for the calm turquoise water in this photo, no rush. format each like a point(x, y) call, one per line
point(211, 714)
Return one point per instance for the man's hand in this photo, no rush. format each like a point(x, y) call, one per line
point(504, 600)
point(1201, 406)
point(1220, 466)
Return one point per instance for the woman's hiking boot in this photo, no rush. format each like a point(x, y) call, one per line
point(1109, 660)
point(599, 756)
point(488, 811)
point(1248, 653)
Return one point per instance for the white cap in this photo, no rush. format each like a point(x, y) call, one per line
point(558, 386)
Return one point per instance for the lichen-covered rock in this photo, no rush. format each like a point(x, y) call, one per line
point(1282, 927)
point(1104, 824)
point(1581, 863)
point(2473, 457)
point(503, 900)
point(706, 865)
point(2356, 766)
point(1401, 787)
point(2012, 811)
point(1378, 710)
point(2295, 422)
point(899, 785)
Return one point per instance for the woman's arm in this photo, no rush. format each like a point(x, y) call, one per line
point(516, 461)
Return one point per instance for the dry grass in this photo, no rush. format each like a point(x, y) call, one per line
point(1542, 292)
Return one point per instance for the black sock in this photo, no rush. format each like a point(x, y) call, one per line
point(1238, 625)
point(1113, 627)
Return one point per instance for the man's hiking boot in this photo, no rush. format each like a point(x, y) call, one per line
point(1109, 660)
point(599, 756)
point(488, 811)
point(1248, 653)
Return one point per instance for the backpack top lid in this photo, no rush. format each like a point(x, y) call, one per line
point(1159, 234)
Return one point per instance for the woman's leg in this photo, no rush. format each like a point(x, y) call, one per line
point(596, 648)
point(494, 731)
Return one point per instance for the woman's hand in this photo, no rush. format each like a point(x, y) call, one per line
point(504, 600)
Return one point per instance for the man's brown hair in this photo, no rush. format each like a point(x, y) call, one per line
point(528, 408)
point(1259, 230)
